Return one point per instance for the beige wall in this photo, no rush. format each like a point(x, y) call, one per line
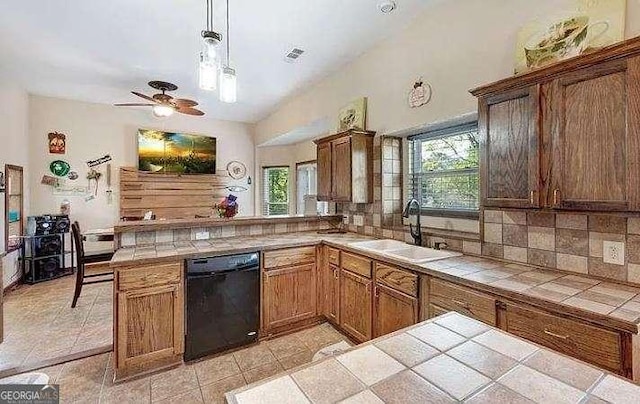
point(94, 130)
point(14, 143)
point(454, 45)
point(284, 156)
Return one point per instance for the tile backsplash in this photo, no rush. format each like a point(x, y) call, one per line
point(145, 238)
point(566, 241)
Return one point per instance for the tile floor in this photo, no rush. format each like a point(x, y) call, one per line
point(39, 323)
point(89, 380)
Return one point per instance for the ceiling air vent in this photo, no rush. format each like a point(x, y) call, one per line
point(293, 55)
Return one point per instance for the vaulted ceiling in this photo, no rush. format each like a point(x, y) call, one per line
point(100, 50)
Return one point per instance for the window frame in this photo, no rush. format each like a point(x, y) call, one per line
point(265, 184)
point(415, 159)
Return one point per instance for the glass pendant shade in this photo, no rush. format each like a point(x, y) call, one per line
point(228, 85)
point(162, 111)
point(208, 73)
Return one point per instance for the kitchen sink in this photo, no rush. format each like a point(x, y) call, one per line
point(420, 254)
point(403, 251)
point(379, 245)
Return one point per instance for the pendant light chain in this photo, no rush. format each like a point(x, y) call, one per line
point(228, 52)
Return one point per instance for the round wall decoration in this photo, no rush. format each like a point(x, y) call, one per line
point(59, 168)
point(236, 170)
point(420, 94)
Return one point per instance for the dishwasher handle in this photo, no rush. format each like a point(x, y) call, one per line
point(205, 274)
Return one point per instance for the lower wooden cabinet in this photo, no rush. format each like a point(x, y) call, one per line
point(149, 324)
point(392, 310)
point(355, 305)
point(601, 347)
point(331, 295)
point(288, 295)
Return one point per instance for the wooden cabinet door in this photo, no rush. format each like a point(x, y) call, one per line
point(393, 310)
point(508, 127)
point(341, 169)
point(332, 293)
point(289, 295)
point(324, 171)
point(150, 325)
point(592, 116)
point(355, 305)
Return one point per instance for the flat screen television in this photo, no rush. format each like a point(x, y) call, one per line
point(174, 152)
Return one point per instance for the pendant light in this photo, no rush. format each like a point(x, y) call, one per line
point(228, 80)
point(209, 63)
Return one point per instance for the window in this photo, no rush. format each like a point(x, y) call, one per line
point(275, 199)
point(307, 187)
point(443, 170)
point(14, 206)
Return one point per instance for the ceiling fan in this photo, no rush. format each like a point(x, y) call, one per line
point(163, 104)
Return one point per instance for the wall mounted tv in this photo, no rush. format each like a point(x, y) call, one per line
point(174, 152)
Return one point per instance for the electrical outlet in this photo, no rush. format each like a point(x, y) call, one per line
point(202, 235)
point(613, 252)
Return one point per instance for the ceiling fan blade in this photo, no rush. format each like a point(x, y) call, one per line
point(189, 111)
point(183, 102)
point(133, 105)
point(146, 97)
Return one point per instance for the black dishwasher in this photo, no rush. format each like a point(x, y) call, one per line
point(222, 304)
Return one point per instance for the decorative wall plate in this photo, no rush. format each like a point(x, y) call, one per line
point(236, 170)
point(59, 168)
point(420, 94)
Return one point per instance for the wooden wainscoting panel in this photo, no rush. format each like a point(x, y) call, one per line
point(169, 196)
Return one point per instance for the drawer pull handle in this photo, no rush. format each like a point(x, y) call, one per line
point(461, 303)
point(553, 334)
point(556, 197)
point(532, 197)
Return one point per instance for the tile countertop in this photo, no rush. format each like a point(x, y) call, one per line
point(605, 303)
point(448, 359)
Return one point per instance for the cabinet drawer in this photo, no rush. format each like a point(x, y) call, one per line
point(580, 340)
point(458, 298)
point(398, 279)
point(334, 256)
point(147, 276)
point(356, 264)
point(289, 256)
point(435, 311)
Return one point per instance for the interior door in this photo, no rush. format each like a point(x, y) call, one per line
point(508, 126)
point(592, 116)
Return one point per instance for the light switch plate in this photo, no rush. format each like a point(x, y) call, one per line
point(613, 252)
point(202, 235)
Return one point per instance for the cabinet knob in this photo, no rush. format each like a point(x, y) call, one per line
point(532, 197)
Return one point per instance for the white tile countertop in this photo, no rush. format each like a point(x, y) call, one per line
point(448, 359)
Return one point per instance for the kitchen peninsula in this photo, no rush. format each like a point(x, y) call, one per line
point(444, 360)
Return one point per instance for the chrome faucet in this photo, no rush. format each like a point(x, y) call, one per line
point(417, 237)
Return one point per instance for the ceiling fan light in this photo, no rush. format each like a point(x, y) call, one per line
point(228, 85)
point(207, 73)
point(162, 111)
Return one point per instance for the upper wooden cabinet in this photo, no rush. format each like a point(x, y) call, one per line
point(592, 117)
point(566, 136)
point(345, 167)
point(508, 127)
